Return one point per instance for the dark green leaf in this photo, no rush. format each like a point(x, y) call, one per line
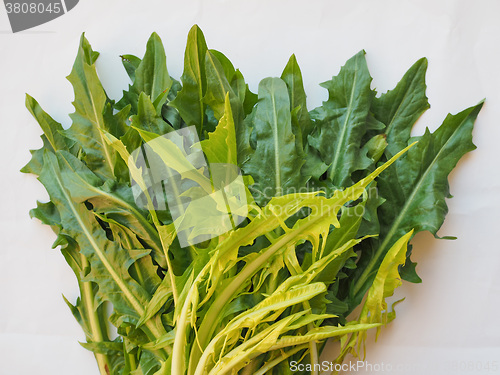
point(275, 162)
point(342, 120)
point(293, 79)
point(53, 138)
point(399, 108)
point(88, 118)
point(415, 189)
point(150, 76)
point(189, 101)
point(130, 63)
point(148, 119)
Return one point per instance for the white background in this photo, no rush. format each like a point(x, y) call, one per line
point(447, 325)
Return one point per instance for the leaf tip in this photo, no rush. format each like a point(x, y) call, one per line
point(422, 62)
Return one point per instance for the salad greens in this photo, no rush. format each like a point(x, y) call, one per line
point(334, 195)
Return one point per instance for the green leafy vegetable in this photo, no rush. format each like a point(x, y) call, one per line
point(275, 161)
point(318, 208)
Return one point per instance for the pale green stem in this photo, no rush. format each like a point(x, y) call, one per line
point(95, 325)
point(313, 349)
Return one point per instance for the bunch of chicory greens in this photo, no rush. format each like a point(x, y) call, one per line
point(333, 196)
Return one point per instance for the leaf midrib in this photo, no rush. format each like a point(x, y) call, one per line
point(333, 166)
point(274, 126)
point(197, 73)
point(219, 78)
point(153, 85)
point(107, 156)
